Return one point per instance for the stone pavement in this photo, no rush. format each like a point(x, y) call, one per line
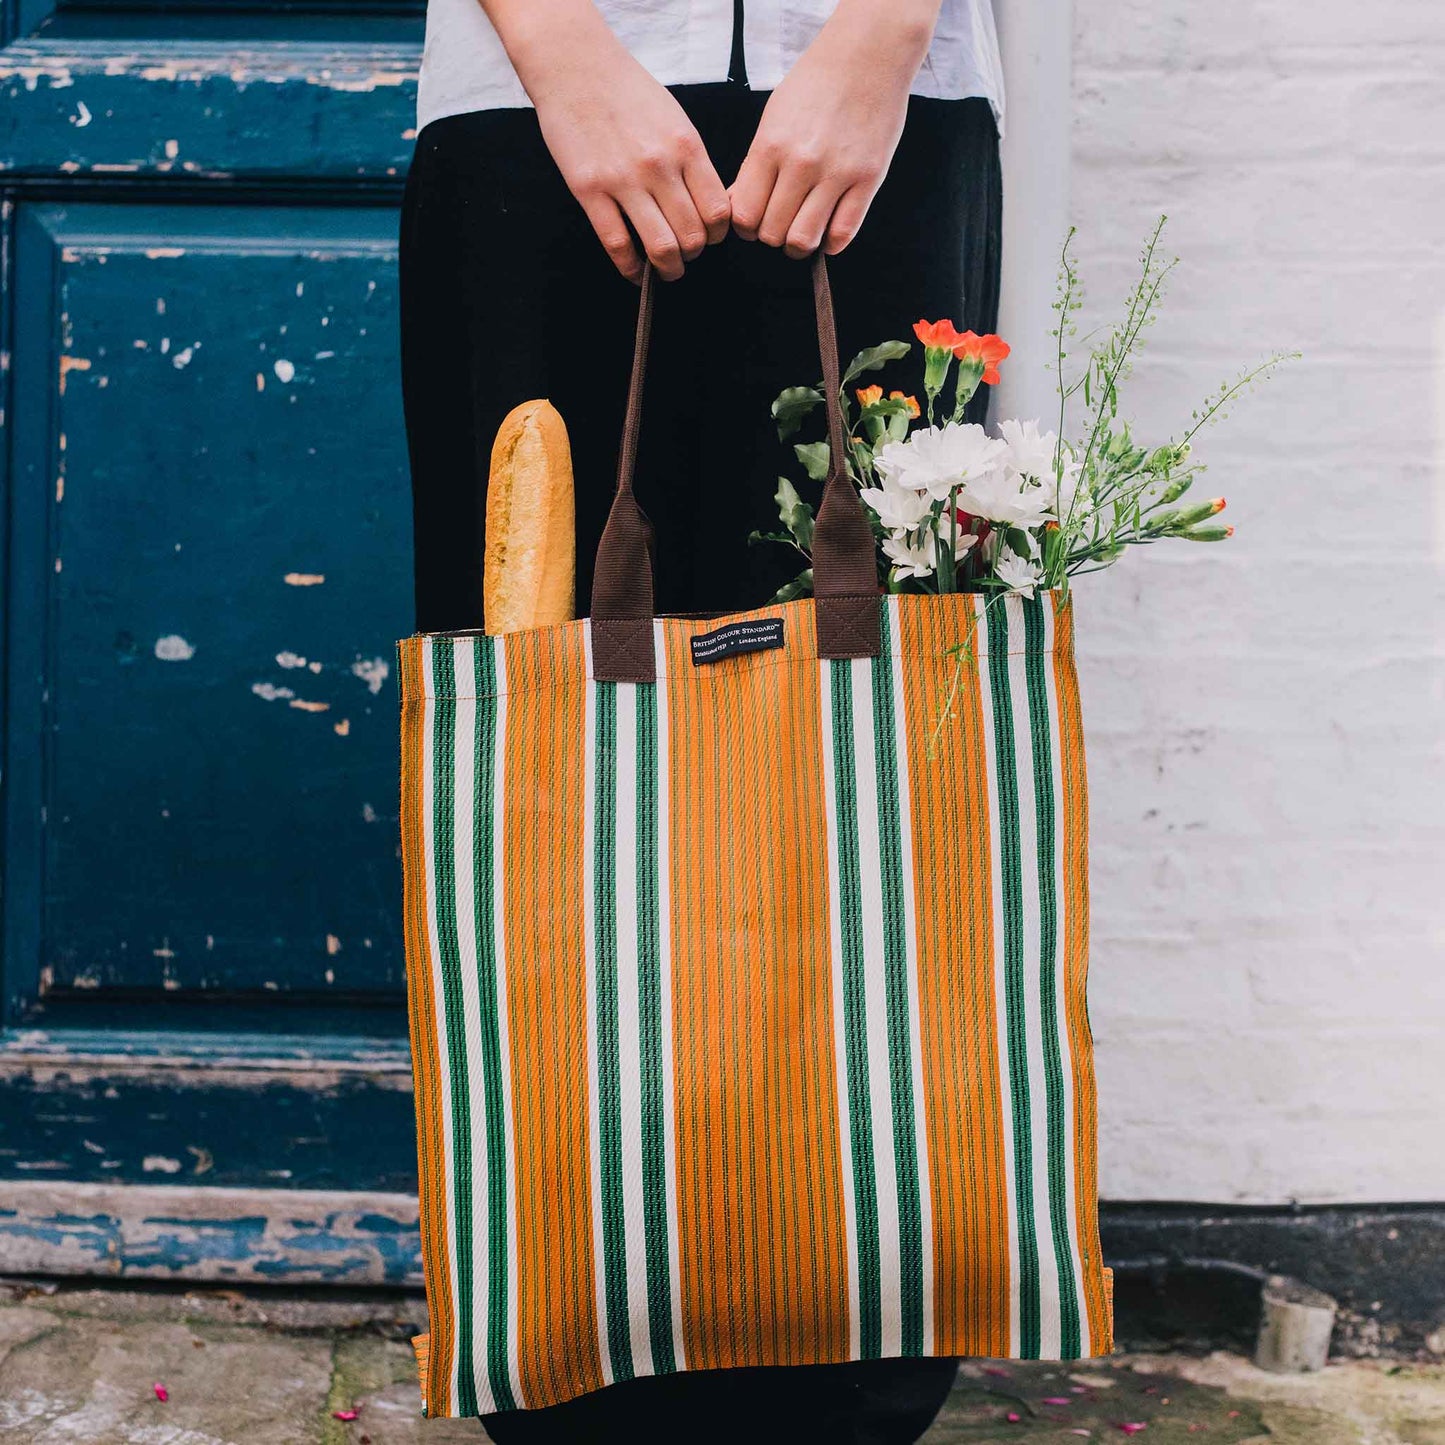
point(80, 1367)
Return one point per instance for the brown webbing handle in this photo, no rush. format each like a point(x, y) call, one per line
point(845, 573)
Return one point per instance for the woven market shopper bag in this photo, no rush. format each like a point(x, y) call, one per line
point(748, 1003)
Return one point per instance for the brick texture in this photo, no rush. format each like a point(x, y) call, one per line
point(1266, 717)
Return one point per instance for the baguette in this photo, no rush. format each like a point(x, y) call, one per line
point(529, 568)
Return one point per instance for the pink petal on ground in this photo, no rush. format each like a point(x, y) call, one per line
point(994, 1370)
point(162, 1394)
point(1084, 1433)
point(1132, 1427)
point(1078, 1389)
point(1013, 1417)
point(1057, 1400)
point(345, 1414)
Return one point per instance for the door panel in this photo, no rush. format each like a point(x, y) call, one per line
point(207, 557)
point(298, 112)
point(228, 539)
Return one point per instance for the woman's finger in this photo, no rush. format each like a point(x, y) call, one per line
point(750, 191)
point(805, 235)
point(658, 238)
point(790, 190)
point(709, 195)
point(675, 202)
point(848, 216)
point(606, 218)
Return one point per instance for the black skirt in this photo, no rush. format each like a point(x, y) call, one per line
point(507, 295)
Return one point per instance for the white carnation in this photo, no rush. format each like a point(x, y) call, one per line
point(896, 507)
point(911, 557)
point(1018, 574)
point(1030, 451)
point(936, 460)
point(1006, 496)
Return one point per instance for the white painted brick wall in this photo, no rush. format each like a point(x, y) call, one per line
point(1266, 717)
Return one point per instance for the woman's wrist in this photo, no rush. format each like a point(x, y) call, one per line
point(548, 43)
point(900, 31)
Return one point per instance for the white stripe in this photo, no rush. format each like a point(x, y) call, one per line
point(1056, 748)
point(433, 951)
point(664, 900)
point(1032, 993)
point(504, 1040)
point(464, 851)
point(910, 937)
point(875, 997)
point(987, 663)
point(840, 1042)
point(629, 1025)
point(589, 946)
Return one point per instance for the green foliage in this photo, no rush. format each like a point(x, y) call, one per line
point(873, 358)
point(800, 586)
point(796, 515)
point(1115, 493)
point(815, 457)
point(791, 408)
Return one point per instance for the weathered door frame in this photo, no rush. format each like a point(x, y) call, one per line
point(349, 105)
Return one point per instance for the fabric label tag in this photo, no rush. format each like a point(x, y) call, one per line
point(756, 636)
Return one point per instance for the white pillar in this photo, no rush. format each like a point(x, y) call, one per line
point(1036, 39)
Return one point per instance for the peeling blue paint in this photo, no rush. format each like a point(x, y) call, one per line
point(338, 1248)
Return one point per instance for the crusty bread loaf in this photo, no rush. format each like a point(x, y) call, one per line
point(530, 567)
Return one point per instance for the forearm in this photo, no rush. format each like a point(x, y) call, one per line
point(550, 42)
point(895, 35)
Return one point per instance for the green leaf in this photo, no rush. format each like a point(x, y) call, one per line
point(887, 406)
point(800, 586)
point(815, 457)
point(792, 406)
point(873, 357)
point(1018, 541)
point(796, 514)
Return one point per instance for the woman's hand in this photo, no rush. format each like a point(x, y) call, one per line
point(624, 146)
point(829, 130)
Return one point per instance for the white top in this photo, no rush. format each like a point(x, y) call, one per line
point(681, 42)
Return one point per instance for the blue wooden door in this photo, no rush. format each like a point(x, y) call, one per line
point(207, 562)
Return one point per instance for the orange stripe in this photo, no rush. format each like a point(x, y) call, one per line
point(957, 1012)
point(1076, 967)
point(421, 1003)
point(761, 1222)
point(558, 1352)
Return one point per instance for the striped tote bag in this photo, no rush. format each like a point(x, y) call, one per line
point(746, 964)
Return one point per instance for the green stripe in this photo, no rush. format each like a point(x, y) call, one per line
point(489, 1008)
point(855, 1014)
point(651, 1062)
point(1036, 665)
point(449, 960)
point(895, 966)
point(1011, 887)
point(609, 1065)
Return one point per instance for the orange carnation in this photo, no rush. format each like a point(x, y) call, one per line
point(911, 402)
point(985, 351)
point(867, 395)
point(939, 335)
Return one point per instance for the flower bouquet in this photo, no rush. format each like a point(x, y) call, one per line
point(956, 509)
